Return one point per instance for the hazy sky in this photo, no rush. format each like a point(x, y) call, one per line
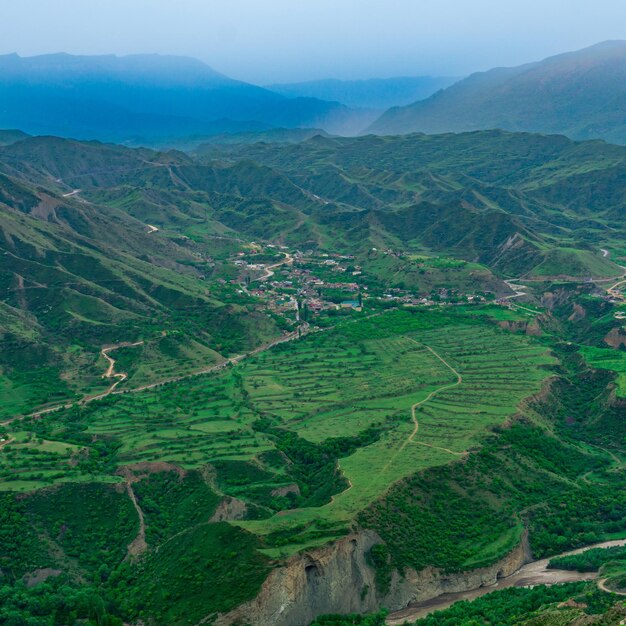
point(287, 40)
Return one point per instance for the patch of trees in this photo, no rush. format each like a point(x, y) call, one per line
point(590, 560)
point(509, 606)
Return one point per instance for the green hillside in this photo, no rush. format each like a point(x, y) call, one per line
point(77, 276)
point(212, 364)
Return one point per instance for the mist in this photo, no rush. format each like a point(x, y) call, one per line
point(282, 40)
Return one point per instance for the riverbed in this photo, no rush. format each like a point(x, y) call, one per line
point(534, 573)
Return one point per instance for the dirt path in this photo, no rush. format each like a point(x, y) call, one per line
point(303, 330)
point(6, 442)
point(518, 290)
point(111, 373)
point(430, 396)
point(138, 545)
point(602, 586)
point(615, 286)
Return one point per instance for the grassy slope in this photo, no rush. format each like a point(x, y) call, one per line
point(73, 281)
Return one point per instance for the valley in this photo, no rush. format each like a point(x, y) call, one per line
point(262, 362)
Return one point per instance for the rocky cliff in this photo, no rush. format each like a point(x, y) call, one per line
point(337, 579)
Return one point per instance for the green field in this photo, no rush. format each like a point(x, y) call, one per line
point(344, 396)
point(608, 359)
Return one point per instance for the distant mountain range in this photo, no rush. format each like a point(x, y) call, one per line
point(168, 101)
point(376, 93)
point(579, 94)
point(146, 97)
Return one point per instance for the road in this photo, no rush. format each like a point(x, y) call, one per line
point(111, 373)
point(300, 332)
point(288, 260)
point(612, 291)
point(517, 289)
point(602, 586)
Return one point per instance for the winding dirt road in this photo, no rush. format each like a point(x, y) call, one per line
point(288, 260)
point(111, 373)
point(303, 330)
point(602, 586)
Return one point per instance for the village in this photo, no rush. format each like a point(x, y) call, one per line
point(306, 285)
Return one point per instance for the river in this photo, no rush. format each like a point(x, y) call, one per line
point(535, 573)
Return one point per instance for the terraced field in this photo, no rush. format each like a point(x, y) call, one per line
point(497, 371)
point(379, 399)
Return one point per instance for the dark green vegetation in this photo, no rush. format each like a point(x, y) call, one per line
point(209, 569)
point(560, 605)
point(350, 620)
point(579, 94)
point(590, 560)
point(54, 602)
point(538, 606)
point(449, 429)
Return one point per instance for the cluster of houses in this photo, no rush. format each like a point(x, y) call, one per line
point(299, 286)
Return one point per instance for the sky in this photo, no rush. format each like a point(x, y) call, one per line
point(267, 41)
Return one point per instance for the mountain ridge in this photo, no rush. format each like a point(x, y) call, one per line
point(373, 93)
point(580, 94)
point(118, 99)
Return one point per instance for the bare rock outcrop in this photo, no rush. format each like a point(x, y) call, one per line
point(229, 509)
point(531, 328)
point(337, 579)
point(616, 338)
point(286, 490)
